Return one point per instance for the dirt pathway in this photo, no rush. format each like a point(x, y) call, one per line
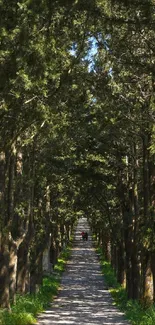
point(84, 298)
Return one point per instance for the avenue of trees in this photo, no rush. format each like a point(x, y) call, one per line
point(77, 137)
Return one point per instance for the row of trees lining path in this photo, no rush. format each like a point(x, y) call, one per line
point(77, 137)
point(84, 297)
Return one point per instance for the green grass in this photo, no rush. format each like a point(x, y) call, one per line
point(29, 306)
point(60, 266)
point(134, 311)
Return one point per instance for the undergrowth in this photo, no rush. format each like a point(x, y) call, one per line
point(134, 311)
point(29, 306)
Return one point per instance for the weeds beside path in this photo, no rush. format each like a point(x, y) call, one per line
point(135, 312)
point(27, 307)
point(83, 298)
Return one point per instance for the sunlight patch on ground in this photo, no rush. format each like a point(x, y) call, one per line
point(83, 298)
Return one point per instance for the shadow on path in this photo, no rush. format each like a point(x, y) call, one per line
point(83, 298)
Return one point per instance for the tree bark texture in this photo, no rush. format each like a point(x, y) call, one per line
point(23, 268)
point(4, 272)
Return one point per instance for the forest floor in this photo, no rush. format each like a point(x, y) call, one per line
point(83, 297)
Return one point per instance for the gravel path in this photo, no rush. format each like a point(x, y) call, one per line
point(83, 298)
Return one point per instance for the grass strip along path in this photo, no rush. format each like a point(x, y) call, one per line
point(27, 307)
point(83, 297)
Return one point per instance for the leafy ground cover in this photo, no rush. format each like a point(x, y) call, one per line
point(28, 306)
point(134, 311)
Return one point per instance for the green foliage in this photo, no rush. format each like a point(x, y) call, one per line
point(134, 311)
point(76, 118)
point(60, 266)
point(22, 318)
point(109, 274)
point(27, 307)
point(149, 317)
point(107, 270)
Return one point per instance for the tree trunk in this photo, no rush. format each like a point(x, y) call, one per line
point(114, 257)
point(4, 273)
point(136, 250)
point(147, 281)
point(62, 235)
point(5, 232)
point(53, 256)
point(2, 184)
point(4, 241)
point(146, 193)
point(68, 231)
point(11, 184)
point(128, 259)
point(13, 271)
point(120, 263)
point(135, 273)
point(153, 272)
point(152, 210)
point(36, 273)
point(23, 272)
point(106, 245)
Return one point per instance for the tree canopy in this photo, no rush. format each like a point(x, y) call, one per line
point(77, 135)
